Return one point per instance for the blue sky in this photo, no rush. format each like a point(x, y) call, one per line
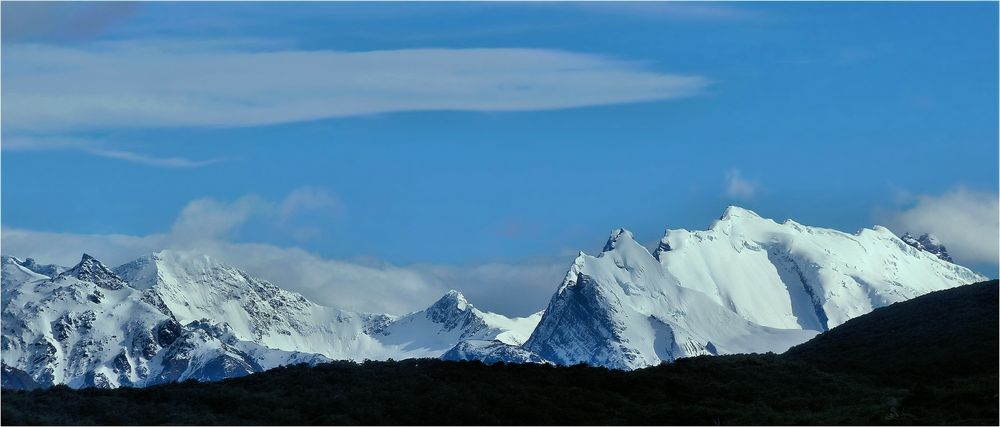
point(458, 135)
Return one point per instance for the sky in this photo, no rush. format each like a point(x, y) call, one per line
point(373, 156)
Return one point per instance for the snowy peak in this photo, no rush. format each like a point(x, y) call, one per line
point(735, 218)
point(173, 267)
point(617, 235)
point(16, 271)
point(449, 303)
point(735, 212)
point(450, 321)
point(620, 245)
point(574, 271)
point(453, 311)
point(928, 242)
point(50, 270)
point(139, 273)
point(91, 270)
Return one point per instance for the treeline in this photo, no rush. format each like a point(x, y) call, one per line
point(751, 389)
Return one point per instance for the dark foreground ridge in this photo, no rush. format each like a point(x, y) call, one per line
point(931, 360)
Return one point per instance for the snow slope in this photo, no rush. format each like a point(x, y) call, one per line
point(790, 275)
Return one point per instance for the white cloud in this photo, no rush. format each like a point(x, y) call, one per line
point(738, 187)
point(149, 83)
point(21, 143)
point(204, 225)
point(341, 284)
point(143, 159)
point(966, 221)
point(66, 248)
point(208, 218)
point(306, 199)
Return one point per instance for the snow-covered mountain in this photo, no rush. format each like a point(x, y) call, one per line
point(747, 284)
point(172, 316)
point(193, 287)
point(622, 309)
point(490, 352)
point(87, 327)
point(452, 320)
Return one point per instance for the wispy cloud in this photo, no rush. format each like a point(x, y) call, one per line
point(739, 187)
point(170, 83)
point(966, 221)
point(169, 162)
point(100, 149)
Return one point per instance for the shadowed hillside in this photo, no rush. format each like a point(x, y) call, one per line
point(871, 370)
point(939, 335)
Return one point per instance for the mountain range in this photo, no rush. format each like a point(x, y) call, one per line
point(926, 361)
point(746, 284)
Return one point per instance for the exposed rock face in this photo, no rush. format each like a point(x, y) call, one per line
point(93, 271)
point(929, 243)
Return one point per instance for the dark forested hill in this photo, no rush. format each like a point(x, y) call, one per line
point(871, 370)
point(939, 335)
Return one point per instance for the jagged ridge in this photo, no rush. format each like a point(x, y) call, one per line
point(172, 316)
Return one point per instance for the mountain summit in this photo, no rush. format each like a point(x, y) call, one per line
point(89, 269)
